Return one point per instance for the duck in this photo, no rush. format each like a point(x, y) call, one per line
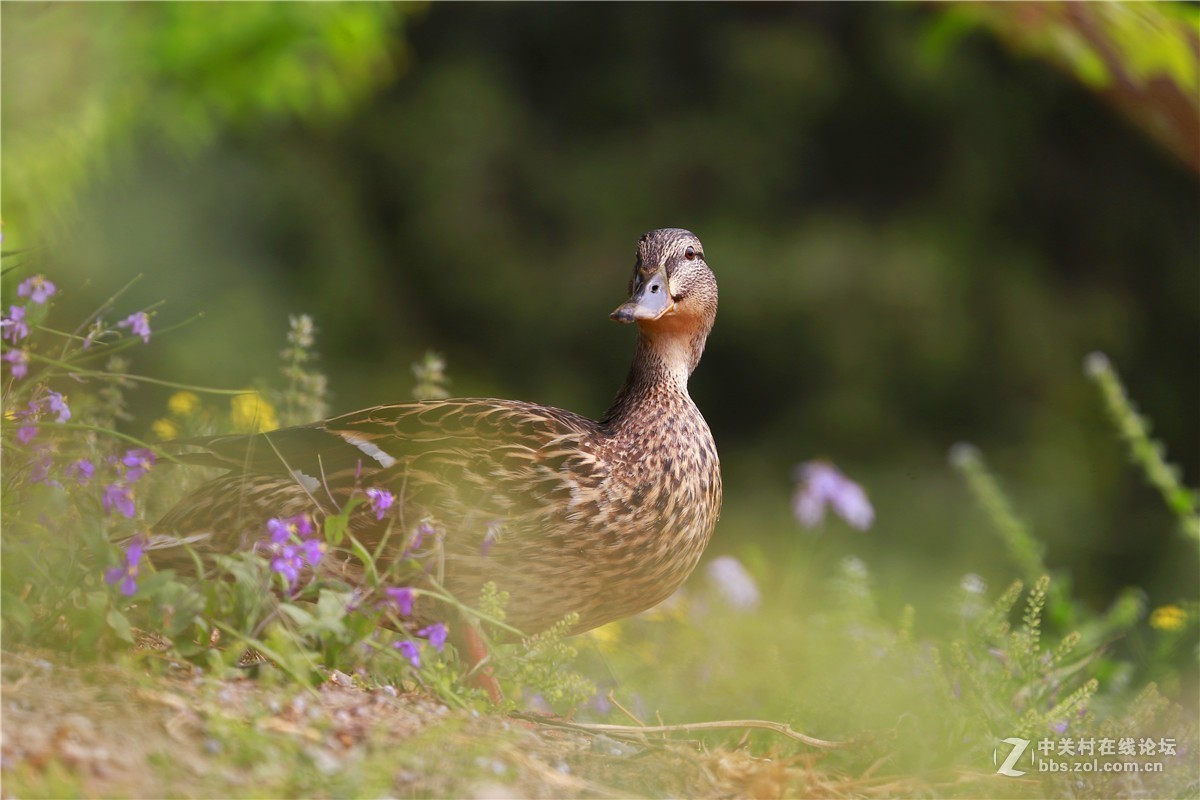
point(596, 519)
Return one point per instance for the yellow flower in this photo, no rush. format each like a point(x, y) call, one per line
point(165, 429)
point(251, 413)
point(606, 637)
point(1168, 618)
point(183, 404)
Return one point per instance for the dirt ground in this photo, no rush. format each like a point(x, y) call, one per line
point(121, 731)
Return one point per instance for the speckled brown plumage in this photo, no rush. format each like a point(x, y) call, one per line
point(602, 518)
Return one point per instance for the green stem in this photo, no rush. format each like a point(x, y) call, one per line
point(1148, 453)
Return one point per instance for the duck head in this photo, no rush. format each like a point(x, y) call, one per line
point(672, 293)
point(672, 285)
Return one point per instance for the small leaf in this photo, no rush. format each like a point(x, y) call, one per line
point(337, 525)
point(298, 615)
point(120, 625)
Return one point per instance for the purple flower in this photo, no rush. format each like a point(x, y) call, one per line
point(57, 404)
point(278, 530)
point(820, 484)
point(418, 536)
point(600, 703)
point(490, 537)
point(82, 471)
point(139, 460)
point(409, 650)
point(733, 583)
point(381, 500)
point(37, 289)
point(138, 324)
point(95, 331)
point(311, 550)
point(20, 362)
point(303, 524)
point(13, 327)
point(281, 530)
point(119, 496)
point(127, 573)
point(436, 634)
point(401, 598)
point(53, 402)
point(42, 461)
point(288, 564)
point(288, 557)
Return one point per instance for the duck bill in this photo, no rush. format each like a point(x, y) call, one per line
point(652, 301)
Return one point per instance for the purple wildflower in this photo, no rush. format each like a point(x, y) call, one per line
point(311, 551)
point(409, 650)
point(119, 496)
point(139, 460)
point(281, 530)
point(13, 327)
point(55, 403)
point(600, 703)
point(436, 634)
point(288, 564)
point(381, 500)
point(401, 598)
point(127, 573)
point(303, 525)
point(37, 289)
point(20, 362)
point(278, 530)
point(820, 484)
point(733, 583)
point(93, 333)
point(82, 471)
point(138, 324)
point(423, 530)
point(287, 557)
point(490, 537)
point(41, 463)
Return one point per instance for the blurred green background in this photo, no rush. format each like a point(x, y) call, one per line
point(921, 218)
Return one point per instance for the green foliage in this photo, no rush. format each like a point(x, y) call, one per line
point(305, 397)
point(1102, 45)
point(1142, 55)
point(1145, 452)
point(492, 601)
point(175, 73)
point(65, 587)
point(430, 373)
point(543, 666)
point(1025, 551)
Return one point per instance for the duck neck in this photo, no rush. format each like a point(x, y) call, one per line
point(658, 376)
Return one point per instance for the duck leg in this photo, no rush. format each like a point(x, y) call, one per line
point(477, 653)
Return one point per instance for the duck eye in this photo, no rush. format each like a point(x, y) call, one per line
point(690, 253)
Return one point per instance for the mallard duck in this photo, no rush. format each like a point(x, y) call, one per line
point(601, 518)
